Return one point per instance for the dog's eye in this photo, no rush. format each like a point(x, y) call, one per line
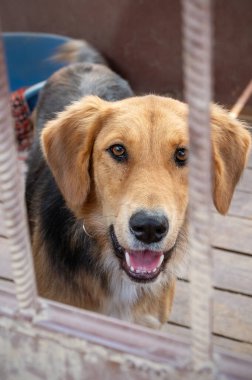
point(118, 152)
point(181, 156)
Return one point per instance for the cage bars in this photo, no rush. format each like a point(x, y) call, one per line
point(197, 84)
point(12, 195)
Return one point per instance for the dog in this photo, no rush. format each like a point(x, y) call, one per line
point(107, 190)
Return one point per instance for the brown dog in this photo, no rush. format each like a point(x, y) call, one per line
point(120, 170)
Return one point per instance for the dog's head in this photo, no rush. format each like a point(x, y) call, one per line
point(122, 167)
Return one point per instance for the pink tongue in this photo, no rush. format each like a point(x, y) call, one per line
point(144, 260)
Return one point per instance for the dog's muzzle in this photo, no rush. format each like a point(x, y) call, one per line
point(140, 265)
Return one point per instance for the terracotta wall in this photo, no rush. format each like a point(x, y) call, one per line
point(142, 38)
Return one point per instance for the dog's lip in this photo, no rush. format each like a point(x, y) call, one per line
point(141, 266)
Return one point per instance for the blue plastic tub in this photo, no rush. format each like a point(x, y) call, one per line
point(29, 63)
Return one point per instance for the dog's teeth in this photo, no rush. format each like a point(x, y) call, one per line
point(154, 270)
point(127, 258)
point(161, 259)
point(138, 271)
point(132, 269)
point(149, 271)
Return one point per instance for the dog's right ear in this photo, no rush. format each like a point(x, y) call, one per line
point(67, 143)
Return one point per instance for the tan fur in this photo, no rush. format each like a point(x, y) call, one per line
point(102, 192)
point(154, 311)
point(231, 146)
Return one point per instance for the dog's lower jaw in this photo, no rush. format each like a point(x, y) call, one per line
point(143, 304)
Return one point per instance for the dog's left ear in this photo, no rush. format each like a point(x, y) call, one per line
point(231, 144)
point(67, 143)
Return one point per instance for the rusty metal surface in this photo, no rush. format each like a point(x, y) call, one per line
point(13, 203)
point(68, 343)
point(96, 328)
point(142, 39)
point(35, 354)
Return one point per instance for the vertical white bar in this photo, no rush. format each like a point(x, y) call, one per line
point(13, 203)
point(197, 79)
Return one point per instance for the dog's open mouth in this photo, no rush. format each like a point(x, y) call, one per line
point(141, 266)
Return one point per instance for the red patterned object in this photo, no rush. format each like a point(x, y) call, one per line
point(22, 121)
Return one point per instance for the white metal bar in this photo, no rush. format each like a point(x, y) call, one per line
point(197, 79)
point(12, 195)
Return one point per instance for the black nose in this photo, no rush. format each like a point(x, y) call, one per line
point(149, 227)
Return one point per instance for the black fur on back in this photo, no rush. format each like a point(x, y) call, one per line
point(45, 204)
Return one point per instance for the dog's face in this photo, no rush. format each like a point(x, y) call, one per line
point(140, 175)
point(122, 167)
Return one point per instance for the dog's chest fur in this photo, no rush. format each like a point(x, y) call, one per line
point(127, 302)
point(123, 297)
